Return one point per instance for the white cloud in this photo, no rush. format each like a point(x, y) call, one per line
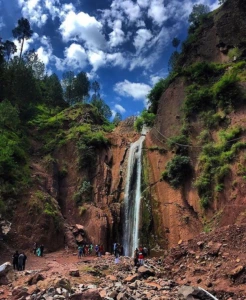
point(138, 91)
point(97, 58)
point(1, 23)
point(117, 59)
point(33, 10)
point(158, 12)
point(154, 79)
point(119, 108)
point(142, 36)
point(82, 27)
point(131, 9)
point(27, 44)
point(143, 3)
point(117, 36)
point(75, 56)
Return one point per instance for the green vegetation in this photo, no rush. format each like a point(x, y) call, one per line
point(214, 161)
point(177, 170)
point(234, 53)
point(84, 194)
point(146, 118)
point(178, 143)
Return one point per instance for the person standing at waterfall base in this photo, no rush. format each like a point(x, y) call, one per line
point(135, 258)
point(140, 258)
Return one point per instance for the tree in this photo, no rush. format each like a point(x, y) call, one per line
point(173, 61)
point(22, 32)
point(117, 119)
point(9, 116)
point(68, 86)
point(81, 87)
point(175, 43)
point(95, 86)
point(103, 109)
point(198, 13)
point(52, 91)
point(9, 48)
point(31, 60)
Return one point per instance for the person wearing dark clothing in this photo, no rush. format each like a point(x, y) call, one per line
point(15, 260)
point(24, 262)
point(41, 250)
point(34, 248)
point(20, 262)
point(135, 258)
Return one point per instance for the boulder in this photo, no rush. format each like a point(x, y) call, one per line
point(131, 278)
point(35, 278)
point(6, 273)
point(74, 273)
point(63, 283)
point(79, 238)
point(92, 294)
point(19, 292)
point(214, 248)
point(145, 272)
point(79, 227)
point(237, 271)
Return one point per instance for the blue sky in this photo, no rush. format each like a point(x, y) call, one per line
point(123, 44)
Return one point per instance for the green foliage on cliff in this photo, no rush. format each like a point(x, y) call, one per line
point(214, 163)
point(146, 118)
point(177, 170)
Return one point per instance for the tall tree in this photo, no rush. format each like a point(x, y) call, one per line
point(103, 109)
point(52, 91)
point(31, 60)
point(22, 32)
point(175, 43)
point(198, 13)
point(95, 86)
point(117, 118)
point(81, 87)
point(68, 86)
point(9, 48)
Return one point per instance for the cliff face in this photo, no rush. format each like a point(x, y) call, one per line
point(179, 211)
point(222, 30)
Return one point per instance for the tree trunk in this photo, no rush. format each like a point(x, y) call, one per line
point(22, 44)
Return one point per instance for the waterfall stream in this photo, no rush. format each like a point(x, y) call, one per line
point(133, 197)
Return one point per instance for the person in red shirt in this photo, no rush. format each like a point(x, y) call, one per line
point(140, 258)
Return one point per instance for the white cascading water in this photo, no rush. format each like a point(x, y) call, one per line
point(132, 198)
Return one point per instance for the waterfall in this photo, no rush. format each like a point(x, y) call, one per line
point(133, 197)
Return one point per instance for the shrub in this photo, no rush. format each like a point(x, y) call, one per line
point(212, 120)
point(235, 53)
point(156, 92)
point(178, 143)
point(203, 72)
point(198, 99)
point(177, 171)
point(226, 90)
point(84, 194)
point(146, 118)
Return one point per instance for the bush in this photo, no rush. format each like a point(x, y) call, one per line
point(177, 171)
point(146, 118)
point(178, 143)
point(235, 53)
point(198, 99)
point(203, 72)
point(84, 194)
point(226, 90)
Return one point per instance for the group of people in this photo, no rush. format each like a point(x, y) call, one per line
point(19, 261)
point(38, 250)
point(118, 251)
point(139, 256)
point(87, 249)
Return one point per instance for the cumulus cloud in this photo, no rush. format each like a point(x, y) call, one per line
point(143, 3)
point(97, 58)
point(33, 10)
point(119, 108)
point(142, 36)
point(157, 11)
point(82, 27)
point(117, 36)
point(117, 59)
point(154, 79)
point(138, 91)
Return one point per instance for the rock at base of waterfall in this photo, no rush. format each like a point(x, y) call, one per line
point(145, 272)
point(92, 294)
point(35, 278)
point(74, 273)
point(79, 227)
point(19, 292)
point(131, 278)
point(6, 273)
point(79, 238)
point(190, 293)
